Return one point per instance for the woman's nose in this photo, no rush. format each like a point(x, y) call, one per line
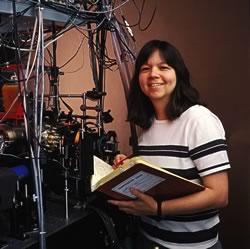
point(154, 72)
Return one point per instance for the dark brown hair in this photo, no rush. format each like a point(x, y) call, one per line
point(140, 108)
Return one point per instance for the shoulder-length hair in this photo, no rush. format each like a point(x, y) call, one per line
point(140, 108)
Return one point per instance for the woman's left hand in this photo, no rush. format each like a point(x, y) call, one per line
point(142, 205)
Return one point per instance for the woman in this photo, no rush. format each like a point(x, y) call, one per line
point(184, 137)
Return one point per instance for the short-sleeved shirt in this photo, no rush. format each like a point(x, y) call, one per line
point(191, 146)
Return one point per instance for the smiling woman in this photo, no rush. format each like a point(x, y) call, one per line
point(184, 137)
point(160, 62)
point(157, 81)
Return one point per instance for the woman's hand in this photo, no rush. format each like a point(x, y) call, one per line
point(118, 159)
point(143, 205)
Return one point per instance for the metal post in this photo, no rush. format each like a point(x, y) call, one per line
point(122, 53)
point(38, 116)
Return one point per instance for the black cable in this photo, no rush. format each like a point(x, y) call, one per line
point(75, 54)
point(109, 226)
point(68, 11)
point(120, 39)
point(152, 17)
point(93, 58)
point(101, 59)
point(13, 81)
point(15, 35)
point(131, 25)
point(108, 60)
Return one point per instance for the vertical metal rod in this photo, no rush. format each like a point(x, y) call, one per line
point(125, 77)
point(38, 116)
point(54, 74)
point(124, 74)
point(66, 194)
point(64, 153)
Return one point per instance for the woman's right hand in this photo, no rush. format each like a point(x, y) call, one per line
point(118, 159)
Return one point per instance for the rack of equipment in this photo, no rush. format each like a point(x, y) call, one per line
point(45, 153)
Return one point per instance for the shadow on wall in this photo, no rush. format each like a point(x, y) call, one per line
point(235, 225)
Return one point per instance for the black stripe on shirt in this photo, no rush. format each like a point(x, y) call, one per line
point(189, 217)
point(180, 237)
point(213, 167)
point(173, 151)
point(190, 174)
point(163, 150)
point(163, 147)
point(208, 148)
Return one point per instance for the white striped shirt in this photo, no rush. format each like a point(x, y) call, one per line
point(191, 146)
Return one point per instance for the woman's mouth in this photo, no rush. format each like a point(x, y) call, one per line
point(155, 84)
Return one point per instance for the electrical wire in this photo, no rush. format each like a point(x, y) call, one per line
point(74, 55)
point(152, 16)
point(36, 58)
point(84, 11)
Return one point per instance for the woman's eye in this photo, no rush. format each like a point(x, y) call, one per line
point(143, 69)
point(164, 67)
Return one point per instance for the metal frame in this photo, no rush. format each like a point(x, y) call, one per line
point(119, 45)
point(48, 14)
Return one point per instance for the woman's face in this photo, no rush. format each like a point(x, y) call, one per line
point(157, 79)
